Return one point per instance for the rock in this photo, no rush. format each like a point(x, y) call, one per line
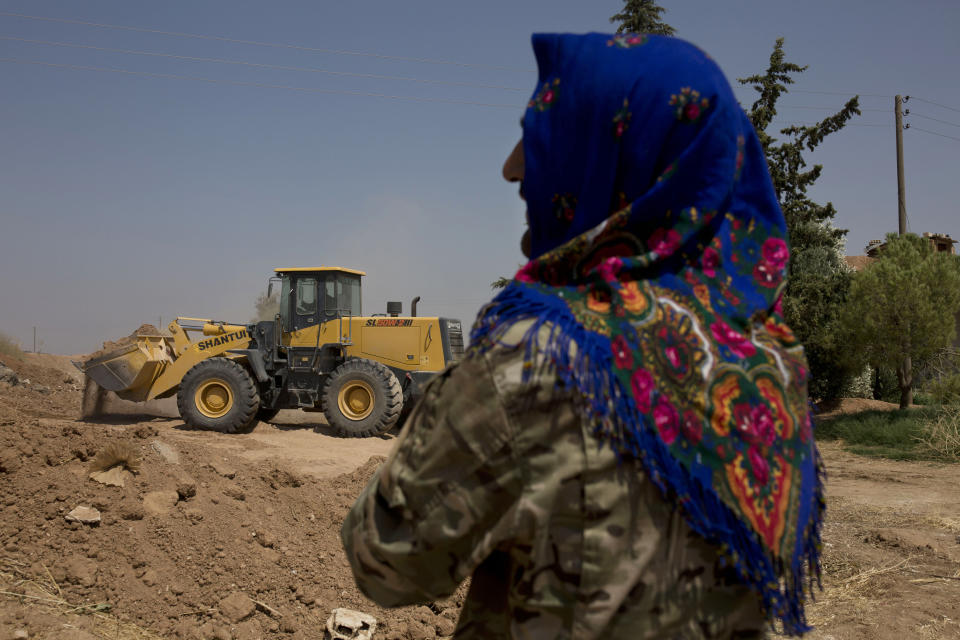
point(186, 487)
point(9, 462)
point(248, 630)
point(20, 634)
point(114, 476)
point(223, 469)
point(445, 626)
point(40, 388)
point(193, 514)
point(166, 452)
point(84, 515)
point(266, 539)
point(150, 577)
point(425, 615)
point(8, 375)
point(236, 607)
point(160, 502)
point(347, 624)
point(211, 631)
point(235, 493)
point(131, 511)
point(418, 631)
point(80, 570)
point(287, 625)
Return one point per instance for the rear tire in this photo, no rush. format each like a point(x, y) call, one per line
point(362, 398)
point(218, 394)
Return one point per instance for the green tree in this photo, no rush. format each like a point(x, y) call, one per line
point(641, 16)
point(819, 278)
point(902, 308)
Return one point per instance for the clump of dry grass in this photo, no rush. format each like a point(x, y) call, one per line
point(9, 347)
point(43, 592)
point(116, 454)
point(941, 433)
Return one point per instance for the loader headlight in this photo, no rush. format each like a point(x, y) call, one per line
point(453, 325)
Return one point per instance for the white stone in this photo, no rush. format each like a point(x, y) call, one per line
point(84, 515)
point(347, 624)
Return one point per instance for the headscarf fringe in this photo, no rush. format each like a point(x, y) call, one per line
point(582, 360)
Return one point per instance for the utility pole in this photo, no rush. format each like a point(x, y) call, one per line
point(905, 374)
point(34, 339)
point(901, 187)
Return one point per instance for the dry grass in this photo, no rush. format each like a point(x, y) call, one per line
point(941, 434)
point(45, 594)
point(9, 347)
point(843, 512)
point(118, 453)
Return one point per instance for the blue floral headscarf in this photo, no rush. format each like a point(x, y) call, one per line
point(660, 253)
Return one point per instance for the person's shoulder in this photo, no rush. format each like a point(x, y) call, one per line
point(519, 360)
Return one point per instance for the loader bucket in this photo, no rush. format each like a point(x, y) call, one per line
point(130, 370)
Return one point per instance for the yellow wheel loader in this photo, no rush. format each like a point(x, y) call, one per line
point(320, 353)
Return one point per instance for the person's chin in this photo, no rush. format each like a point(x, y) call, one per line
point(525, 243)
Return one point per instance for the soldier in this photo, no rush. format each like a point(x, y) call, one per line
point(626, 449)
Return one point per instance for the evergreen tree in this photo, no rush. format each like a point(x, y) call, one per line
point(819, 278)
point(902, 308)
point(641, 16)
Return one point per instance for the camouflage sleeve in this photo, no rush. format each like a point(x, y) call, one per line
point(444, 499)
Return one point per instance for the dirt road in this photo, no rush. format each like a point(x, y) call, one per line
point(237, 536)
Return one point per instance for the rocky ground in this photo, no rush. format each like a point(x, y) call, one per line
point(220, 536)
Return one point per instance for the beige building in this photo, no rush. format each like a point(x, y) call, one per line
point(942, 242)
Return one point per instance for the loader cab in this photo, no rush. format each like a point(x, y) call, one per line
point(311, 296)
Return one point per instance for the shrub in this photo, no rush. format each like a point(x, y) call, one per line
point(9, 347)
point(881, 434)
point(946, 390)
point(941, 434)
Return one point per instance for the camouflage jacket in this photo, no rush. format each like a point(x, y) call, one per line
point(501, 480)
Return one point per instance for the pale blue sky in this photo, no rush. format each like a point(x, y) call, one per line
point(126, 198)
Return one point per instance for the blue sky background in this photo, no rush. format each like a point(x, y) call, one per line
point(125, 199)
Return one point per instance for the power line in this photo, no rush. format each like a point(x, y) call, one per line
point(849, 124)
point(275, 45)
point(842, 93)
point(158, 54)
point(942, 135)
point(792, 106)
point(936, 104)
point(262, 85)
point(920, 115)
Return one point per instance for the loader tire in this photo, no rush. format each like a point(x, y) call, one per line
point(362, 398)
point(219, 394)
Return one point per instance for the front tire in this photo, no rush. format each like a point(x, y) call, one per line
point(362, 398)
point(218, 394)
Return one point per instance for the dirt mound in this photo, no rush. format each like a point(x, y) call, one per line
point(238, 536)
point(845, 406)
point(112, 345)
point(197, 540)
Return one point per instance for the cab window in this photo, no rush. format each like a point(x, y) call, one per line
point(286, 288)
point(349, 293)
point(330, 296)
point(306, 296)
